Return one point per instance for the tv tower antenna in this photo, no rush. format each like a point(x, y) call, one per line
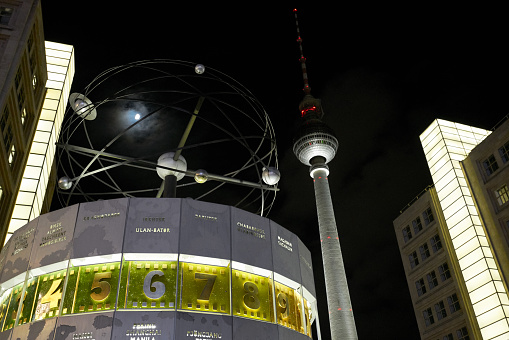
point(315, 145)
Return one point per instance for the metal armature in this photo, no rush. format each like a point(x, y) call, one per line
point(235, 123)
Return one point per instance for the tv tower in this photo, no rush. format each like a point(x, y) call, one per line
point(315, 145)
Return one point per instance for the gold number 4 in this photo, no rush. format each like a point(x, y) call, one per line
point(104, 286)
point(53, 296)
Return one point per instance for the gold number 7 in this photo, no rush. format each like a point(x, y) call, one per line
point(207, 290)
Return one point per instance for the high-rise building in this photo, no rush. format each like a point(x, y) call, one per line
point(454, 237)
point(35, 79)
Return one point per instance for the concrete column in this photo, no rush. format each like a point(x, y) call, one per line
point(342, 323)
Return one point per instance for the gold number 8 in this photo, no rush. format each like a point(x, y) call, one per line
point(251, 299)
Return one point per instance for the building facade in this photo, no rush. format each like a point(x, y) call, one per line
point(453, 238)
point(35, 78)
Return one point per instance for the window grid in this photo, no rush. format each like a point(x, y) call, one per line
point(421, 288)
point(407, 233)
point(424, 250)
point(428, 317)
point(432, 279)
point(490, 165)
point(448, 337)
point(502, 195)
point(417, 225)
point(414, 261)
point(454, 304)
point(444, 272)
point(435, 242)
point(428, 216)
point(504, 152)
point(440, 310)
point(462, 334)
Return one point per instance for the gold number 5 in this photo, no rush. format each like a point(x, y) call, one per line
point(104, 286)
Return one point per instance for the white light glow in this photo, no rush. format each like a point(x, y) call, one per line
point(445, 145)
point(60, 67)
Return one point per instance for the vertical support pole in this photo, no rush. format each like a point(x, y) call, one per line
point(170, 186)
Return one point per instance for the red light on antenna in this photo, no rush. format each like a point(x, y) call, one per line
point(295, 9)
point(312, 108)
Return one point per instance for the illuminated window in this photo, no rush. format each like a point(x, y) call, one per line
point(23, 116)
point(5, 15)
point(462, 334)
point(444, 272)
point(407, 234)
point(6, 129)
point(432, 279)
point(448, 337)
point(421, 288)
point(428, 216)
point(417, 225)
point(436, 244)
point(1, 193)
point(424, 250)
point(502, 195)
point(414, 261)
point(454, 304)
point(12, 155)
point(428, 317)
point(504, 152)
point(490, 165)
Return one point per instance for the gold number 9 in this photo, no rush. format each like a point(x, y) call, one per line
point(282, 301)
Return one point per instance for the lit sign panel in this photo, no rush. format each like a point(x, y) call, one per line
point(191, 285)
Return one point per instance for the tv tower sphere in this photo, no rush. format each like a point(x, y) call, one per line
point(313, 137)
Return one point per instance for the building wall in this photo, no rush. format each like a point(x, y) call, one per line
point(470, 201)
point(487, 170)
point(31, 199)
point(440, 307)
point(35, 78)
point(23, 77)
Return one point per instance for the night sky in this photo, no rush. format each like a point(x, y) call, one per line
point(383, 74)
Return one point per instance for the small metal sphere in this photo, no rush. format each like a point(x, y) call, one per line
point(82, 106)
point(201, 176)
point(64, 183)
point(271, 175)
point(166, 160)
point(199, 69)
